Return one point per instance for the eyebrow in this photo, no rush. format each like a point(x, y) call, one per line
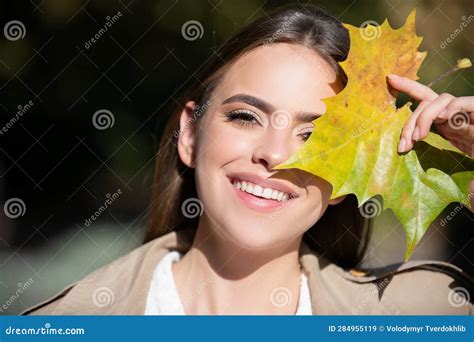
point(268, 107)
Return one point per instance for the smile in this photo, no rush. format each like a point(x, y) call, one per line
point(258, 191)
point(261, 198)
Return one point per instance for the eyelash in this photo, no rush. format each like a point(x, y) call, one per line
point(306, 134)
point(245, 118)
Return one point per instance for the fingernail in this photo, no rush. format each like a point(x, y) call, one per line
point(442, 114)
point(393, 76)
point(401, 145)
point(416, 134)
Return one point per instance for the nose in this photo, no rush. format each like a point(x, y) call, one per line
point(273, 148)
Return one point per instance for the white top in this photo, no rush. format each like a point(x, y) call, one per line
point(163, 298)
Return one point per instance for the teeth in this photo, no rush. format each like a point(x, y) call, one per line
point(280, 196)
point(258, 191)
point(249, 188)
point(267, 193)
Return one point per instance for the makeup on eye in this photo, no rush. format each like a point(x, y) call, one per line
point(305, 135)
point(246, 118)
point(268, 108)
point(242, 117)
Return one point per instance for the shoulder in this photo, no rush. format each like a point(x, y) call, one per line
point(411, 288)
point(112, 288)
point(102, 277)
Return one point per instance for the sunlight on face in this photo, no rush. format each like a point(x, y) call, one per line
point(259, 115)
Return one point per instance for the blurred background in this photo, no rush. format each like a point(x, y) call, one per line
point(82, 109)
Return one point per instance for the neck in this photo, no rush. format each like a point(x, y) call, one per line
point(217, 276)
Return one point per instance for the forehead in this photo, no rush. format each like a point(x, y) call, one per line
point(287, 75)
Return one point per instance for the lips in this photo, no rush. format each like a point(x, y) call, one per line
point(261, 201)
point(264, 183)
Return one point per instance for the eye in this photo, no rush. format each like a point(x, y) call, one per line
point(305, 135)
point(242, 117)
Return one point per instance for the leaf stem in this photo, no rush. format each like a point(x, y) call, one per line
point(461, 64)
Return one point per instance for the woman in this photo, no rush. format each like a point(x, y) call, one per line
point(227, 235)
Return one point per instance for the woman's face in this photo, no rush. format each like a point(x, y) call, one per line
point(260, 113)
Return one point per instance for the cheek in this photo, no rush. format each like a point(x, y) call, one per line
point(317, 200)
point(220, 143)
point(320, 188)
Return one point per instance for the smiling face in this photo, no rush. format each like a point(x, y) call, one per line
point(259, 115)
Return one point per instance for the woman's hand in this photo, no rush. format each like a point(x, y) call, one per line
point(453, 117)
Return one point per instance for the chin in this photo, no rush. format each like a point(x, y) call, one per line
point(255, 235)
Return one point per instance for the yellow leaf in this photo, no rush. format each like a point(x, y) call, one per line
point(354, 145)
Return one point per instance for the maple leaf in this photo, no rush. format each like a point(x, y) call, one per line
point(354, 145)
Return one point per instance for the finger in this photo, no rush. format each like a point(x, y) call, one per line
point(415, 89)
point(460, 104)
point(430, 113)
point(407, 132)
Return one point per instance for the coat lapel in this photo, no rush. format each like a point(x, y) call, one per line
point(121, 287)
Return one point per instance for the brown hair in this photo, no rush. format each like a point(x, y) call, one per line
point(341, 234)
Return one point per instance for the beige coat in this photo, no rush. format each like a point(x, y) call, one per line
point(412, 288)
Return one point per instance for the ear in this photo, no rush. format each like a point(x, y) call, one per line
point(337, 200)
point(187, 134)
